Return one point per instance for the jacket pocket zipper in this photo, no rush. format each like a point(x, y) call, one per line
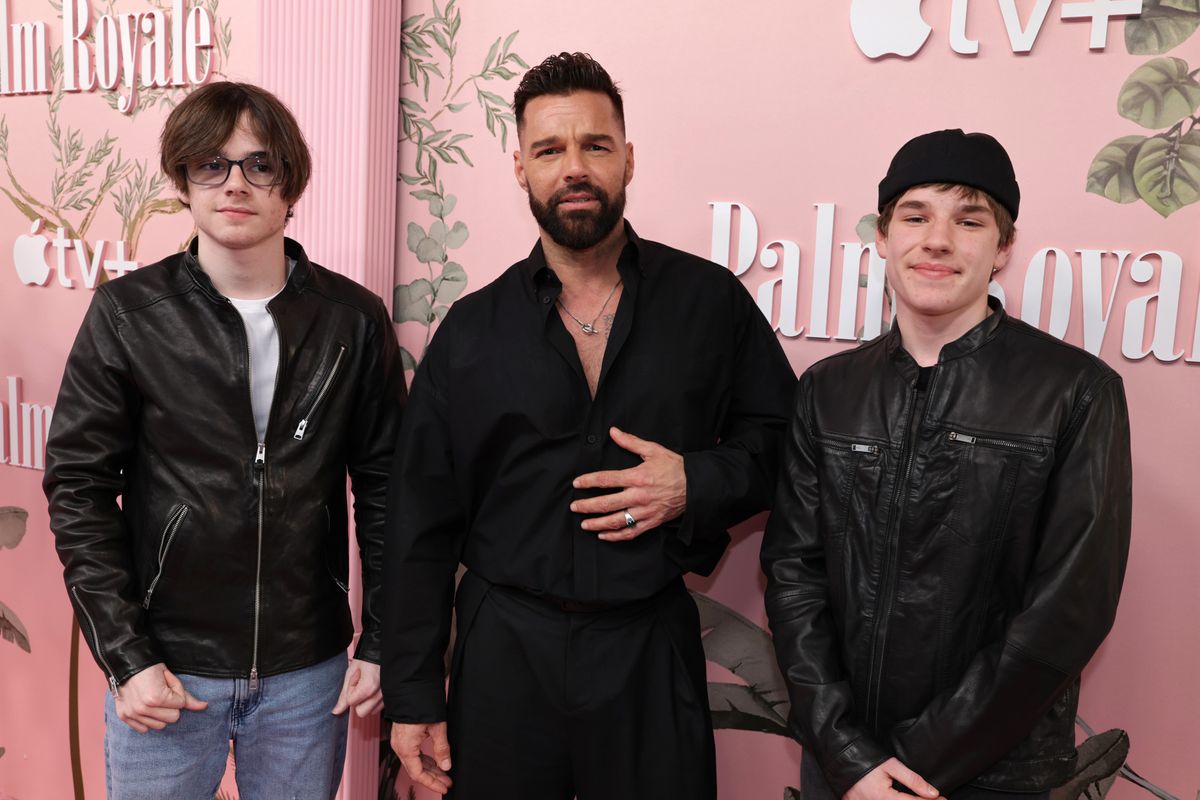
point(853, 447)
point(112, 680)
point(998, 444)
point(316, 403)
point(168, 537)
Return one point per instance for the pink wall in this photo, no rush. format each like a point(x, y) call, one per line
point(773, 106)
point(337, 71)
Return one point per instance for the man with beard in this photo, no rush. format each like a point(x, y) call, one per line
point(581, 433)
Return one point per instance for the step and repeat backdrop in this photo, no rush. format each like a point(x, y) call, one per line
point(761, 131)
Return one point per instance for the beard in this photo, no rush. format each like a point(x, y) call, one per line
point(580, 229)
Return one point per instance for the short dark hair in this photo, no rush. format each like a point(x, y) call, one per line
point(1004, 220)
point(566, 73)
point(204, 120)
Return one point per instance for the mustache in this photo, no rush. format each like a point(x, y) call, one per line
point(595, 192)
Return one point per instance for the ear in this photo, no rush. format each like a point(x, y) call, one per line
point(182, 196)
point(628, 162)
point(1002, 255)
point(519, 169)
point(880, 242)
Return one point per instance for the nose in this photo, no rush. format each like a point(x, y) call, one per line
point(236, 182)
point(938, 238)
point(574, 168)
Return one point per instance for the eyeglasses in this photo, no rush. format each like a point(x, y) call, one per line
point(261, 170)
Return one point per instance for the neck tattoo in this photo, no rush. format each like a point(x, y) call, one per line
point(590, 327)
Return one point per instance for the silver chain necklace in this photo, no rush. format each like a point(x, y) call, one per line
point(590, 327)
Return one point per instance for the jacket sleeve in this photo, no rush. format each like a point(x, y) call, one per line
point(92, 438)
point(1069, 605)
point(373, 432)
point(425, 531)
point(732, 480)
point(823, 717)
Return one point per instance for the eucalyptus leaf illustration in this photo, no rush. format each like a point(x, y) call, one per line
point(1111, 173)
point(1162, 25)
point(1159, 93)
point(428, 51)
point(411, 302)
point(12, 630)
point(1167, 173)
point(12, 526)
point(866, 228)
point(745, 649)
point(1101, 757)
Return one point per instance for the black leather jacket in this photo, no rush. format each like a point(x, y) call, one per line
point(227, 557)
point(939, 572)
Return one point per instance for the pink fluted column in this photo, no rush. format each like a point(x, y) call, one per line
point(337, 65)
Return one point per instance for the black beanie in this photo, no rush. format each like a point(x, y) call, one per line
point(951, 156)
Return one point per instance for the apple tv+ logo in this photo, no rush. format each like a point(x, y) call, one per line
point(29, 259)
point(896, 27)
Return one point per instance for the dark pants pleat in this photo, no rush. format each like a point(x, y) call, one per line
point(549, 705)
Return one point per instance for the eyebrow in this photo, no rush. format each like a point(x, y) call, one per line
point(256, 153)
point(969, 208)
point(602, 138)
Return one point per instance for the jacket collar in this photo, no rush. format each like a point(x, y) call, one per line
point(968, 343)
point(291, 249)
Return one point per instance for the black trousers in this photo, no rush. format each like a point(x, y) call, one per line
point(547, 704)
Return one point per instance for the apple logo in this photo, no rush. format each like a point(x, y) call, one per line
point(888, 27)
point(29, 256)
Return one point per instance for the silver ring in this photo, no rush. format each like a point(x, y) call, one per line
point(630, 522)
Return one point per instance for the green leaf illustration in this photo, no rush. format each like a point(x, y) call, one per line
point(1167, 175)
point(1111, 173)
point(437, 232)
point(1100, 759)
point(866, 228)
point(1162, 25)
point(1159, 93)
point(407, 360)
point(12, 526)
point(11, 629)
point(415, 234)
point(411, 302)
point(456, 237)
point(448, 204)
point(451, 284)
point(743, 648)
point(429, 250)
point(740, 708)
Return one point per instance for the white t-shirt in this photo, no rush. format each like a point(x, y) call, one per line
point(264, 354)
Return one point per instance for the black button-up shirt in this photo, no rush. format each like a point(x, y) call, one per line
point(500, 421)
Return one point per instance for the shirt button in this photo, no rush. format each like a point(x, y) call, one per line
point(547, 300)
point(592, 438)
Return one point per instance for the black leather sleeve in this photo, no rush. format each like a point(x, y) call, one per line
point(806, 637)
point(91, 439)
point(1069, 605)
point(372, 437)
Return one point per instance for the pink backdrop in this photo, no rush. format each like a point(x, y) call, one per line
point(773, 106)
point(770, 105)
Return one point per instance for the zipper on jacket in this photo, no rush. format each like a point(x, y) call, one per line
point(112, 680)
point(168, 536)
point(1001, 444)
point(260, 465)
point(316, 403)
point(853, 447)
point(884, 601)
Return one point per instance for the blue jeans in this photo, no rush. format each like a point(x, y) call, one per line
point(286, 742)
